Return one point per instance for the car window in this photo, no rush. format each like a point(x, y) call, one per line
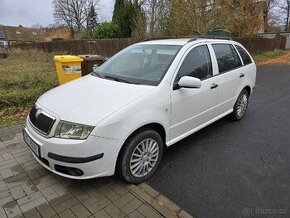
point(139, 64)
point(227, 57)
point(197, 64)
point(245, 56)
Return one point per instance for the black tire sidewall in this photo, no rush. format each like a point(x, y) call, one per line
point(125, 155)
point(235, 112)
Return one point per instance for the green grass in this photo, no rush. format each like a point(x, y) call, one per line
point(265, 56)
point(24, 76)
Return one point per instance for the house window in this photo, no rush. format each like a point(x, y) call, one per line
point(34, 33)
point(18, 32)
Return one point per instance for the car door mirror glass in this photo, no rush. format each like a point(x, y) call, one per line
point(189, 82)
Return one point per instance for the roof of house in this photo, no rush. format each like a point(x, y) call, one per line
point(25, 34)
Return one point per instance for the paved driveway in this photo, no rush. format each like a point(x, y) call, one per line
point(29, 190)
point(236, 169)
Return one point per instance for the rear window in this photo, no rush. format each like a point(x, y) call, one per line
point(227, 57)
point(245, 56)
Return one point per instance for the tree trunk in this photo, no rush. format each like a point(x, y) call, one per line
point(287, 26)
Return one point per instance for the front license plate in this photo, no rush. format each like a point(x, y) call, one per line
point(33, 146)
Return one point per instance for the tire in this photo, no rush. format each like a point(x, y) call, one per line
point(241, 105)
point(149, 145)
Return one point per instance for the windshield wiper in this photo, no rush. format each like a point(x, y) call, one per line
point(118, 79)
point(97, 74)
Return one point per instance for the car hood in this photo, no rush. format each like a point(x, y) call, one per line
point(90, 99)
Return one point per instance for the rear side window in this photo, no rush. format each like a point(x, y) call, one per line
point(227, 57)
point(197, 64)
point(246, 58)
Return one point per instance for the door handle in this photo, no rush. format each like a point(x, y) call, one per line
point(242, 75)
point(214, 85)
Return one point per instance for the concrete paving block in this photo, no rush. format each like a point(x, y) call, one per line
point(92, 200)
point(49, 193)
point(102, 213)
point(2, 213)
point(148, 212)
point(67, 214)
point(12, 209)
point(29, 198)
point(61, 207)
point(162, 200)
point(114, 211)
point(7, 156)
point(17, 192)
point(124, 200)
point(93, 208)
point(110, 194)
point(32, 213)
point(119, 189)
point(29, 187)
point(46, 210)
point(135, 214)
point(4, 194)
point(5, 200)
point(149, 190)
point(131, 206)
point(80, 211)
point(33, 204)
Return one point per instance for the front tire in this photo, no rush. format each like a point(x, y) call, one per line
point(140, 156)
point(241, 105)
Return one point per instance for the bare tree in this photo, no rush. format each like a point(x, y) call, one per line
point(287, 10)
point(74, 13)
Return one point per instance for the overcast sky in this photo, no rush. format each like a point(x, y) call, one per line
point(30, 12)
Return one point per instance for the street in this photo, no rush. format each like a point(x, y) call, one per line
point(236, 169)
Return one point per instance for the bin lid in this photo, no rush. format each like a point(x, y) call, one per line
point(89, 57)
point(67, 58)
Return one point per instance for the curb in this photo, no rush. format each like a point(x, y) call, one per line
point(154, 199)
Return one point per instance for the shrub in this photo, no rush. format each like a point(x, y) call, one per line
point(106, 31)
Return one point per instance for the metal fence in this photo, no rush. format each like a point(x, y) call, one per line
point(108, 47)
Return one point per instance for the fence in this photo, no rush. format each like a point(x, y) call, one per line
point(108, 47)
point(104, 47)
point(255, 45)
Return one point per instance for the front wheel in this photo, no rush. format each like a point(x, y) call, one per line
point(241, 105)
point(141, 156)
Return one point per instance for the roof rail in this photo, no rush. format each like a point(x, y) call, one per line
point(209, 37)
point(157, 38)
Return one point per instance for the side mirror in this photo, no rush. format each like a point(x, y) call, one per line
point(189, 82)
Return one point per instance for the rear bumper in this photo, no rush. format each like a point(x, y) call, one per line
point(93, 157)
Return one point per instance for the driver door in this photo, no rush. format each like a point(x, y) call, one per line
point(193, 107)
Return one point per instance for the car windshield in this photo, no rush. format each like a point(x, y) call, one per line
point(139, 64)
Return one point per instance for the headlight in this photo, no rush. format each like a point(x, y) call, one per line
point(69, 130)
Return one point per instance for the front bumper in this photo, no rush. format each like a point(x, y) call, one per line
point(93, 157)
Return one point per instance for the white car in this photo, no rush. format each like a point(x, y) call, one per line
point(145, 98)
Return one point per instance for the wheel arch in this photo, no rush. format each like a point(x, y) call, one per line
point(248, 89)
point(155, 126)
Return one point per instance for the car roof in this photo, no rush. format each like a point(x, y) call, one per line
point(181, 42)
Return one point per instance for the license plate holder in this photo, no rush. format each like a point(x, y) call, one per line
point(31, 143)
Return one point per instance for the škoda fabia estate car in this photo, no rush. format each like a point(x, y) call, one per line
point(143, 99)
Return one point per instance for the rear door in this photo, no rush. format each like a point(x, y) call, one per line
point(230, 77)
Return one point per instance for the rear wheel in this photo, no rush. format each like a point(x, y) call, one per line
point(141, 156)
point(241, 105)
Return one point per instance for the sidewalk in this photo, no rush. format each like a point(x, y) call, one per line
point(29, 190)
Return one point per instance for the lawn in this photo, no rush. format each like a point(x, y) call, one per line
point(24, 76)
point(269, 55)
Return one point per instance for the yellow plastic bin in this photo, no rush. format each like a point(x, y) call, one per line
point(68, 67)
